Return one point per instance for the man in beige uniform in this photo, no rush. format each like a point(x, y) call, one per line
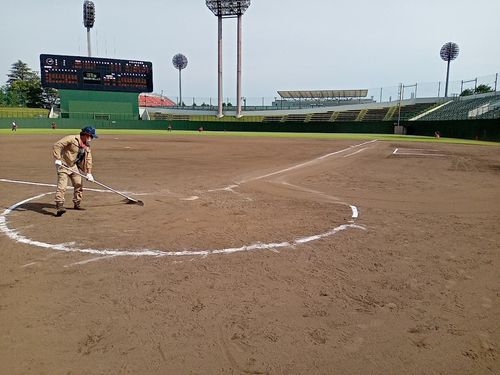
point(72, 154)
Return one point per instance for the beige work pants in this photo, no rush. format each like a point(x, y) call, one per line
point(62, 182)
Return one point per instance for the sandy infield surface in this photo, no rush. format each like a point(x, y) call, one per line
point(252, 256)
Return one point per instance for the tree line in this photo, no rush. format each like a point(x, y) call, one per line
point(481, 89)
point(24, 89)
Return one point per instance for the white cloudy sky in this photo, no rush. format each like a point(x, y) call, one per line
point(287, 44)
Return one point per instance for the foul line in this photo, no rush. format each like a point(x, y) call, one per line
point(307, 162)
point(49, 185)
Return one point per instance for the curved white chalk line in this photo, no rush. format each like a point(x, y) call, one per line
point(69, 247)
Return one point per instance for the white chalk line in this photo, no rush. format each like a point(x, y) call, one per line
point(354, 209)
point(355, 152)
point(409, 151)
point(14, 235)
point(89, 261)
point(68, 247)
point(29, 264)
point(192, 198)
point(85, 188)
point(48, 185)
point(297, 166)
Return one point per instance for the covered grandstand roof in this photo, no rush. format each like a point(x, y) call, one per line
point(323, 94)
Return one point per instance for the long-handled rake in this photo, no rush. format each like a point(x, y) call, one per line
point(129, 199)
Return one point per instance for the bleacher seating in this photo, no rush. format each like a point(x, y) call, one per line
point(167, 116)
point(158, 116)
point(495, 113)
point(319, 117)
point(296, 117)
point(375, 114)
point(272, 118)
point(459, 109)
point(410, 111)
point(347, 115)
point(15, 112)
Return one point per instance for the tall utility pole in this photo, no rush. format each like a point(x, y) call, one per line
point(229, 9)
point(180, 62)
point(449, 52)
point(238, 64)
point(88, 21)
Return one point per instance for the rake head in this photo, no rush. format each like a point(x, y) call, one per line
point(134, 201)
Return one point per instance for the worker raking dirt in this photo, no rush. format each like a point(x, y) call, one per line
point(72, 154)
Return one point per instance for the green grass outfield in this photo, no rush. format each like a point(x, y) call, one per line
point(384, 137)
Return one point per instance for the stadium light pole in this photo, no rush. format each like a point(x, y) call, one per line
point(88, 21)
point(449, 51)
point(180, 62)
point(229, 9)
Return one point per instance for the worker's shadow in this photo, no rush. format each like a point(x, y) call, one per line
point(41, 208)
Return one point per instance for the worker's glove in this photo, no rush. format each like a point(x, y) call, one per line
point(58, 163)
point(89, 177)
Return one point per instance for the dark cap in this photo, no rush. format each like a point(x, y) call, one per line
point(90, 130)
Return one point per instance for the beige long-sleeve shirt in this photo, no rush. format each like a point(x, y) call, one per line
point(66, 149)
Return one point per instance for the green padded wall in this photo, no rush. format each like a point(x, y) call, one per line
point(484, 130)
point(99, 105)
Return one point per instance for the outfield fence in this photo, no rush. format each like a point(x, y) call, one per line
point(484, 130)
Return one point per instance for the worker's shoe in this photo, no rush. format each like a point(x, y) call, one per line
point(77, 206)
point(60, 210)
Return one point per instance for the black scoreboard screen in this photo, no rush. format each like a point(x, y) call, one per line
point(92, 73)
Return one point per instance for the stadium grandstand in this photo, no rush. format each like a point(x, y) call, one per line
point(465, 108)
point(347, 108)
point(320, 98)
point(340, 112)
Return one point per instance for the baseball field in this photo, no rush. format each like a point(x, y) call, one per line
point(252, 255)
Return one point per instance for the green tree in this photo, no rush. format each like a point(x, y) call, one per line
point(20, 71)
point(482, 89)
point(3, 96)
point(25, 93)
point(467, 92)
point(50, 97)
point(24, 88)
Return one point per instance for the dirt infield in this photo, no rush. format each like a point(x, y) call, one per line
point(252, 256)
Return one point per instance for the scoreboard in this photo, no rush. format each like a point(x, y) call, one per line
point(100, 74)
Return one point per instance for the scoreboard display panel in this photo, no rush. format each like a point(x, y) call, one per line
point(92, 73)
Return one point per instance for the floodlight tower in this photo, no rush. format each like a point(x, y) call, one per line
point(229, 9)
point(449, 51)
point(88, 20)
point(180, 62)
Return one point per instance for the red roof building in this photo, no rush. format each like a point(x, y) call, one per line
point(154, 100)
